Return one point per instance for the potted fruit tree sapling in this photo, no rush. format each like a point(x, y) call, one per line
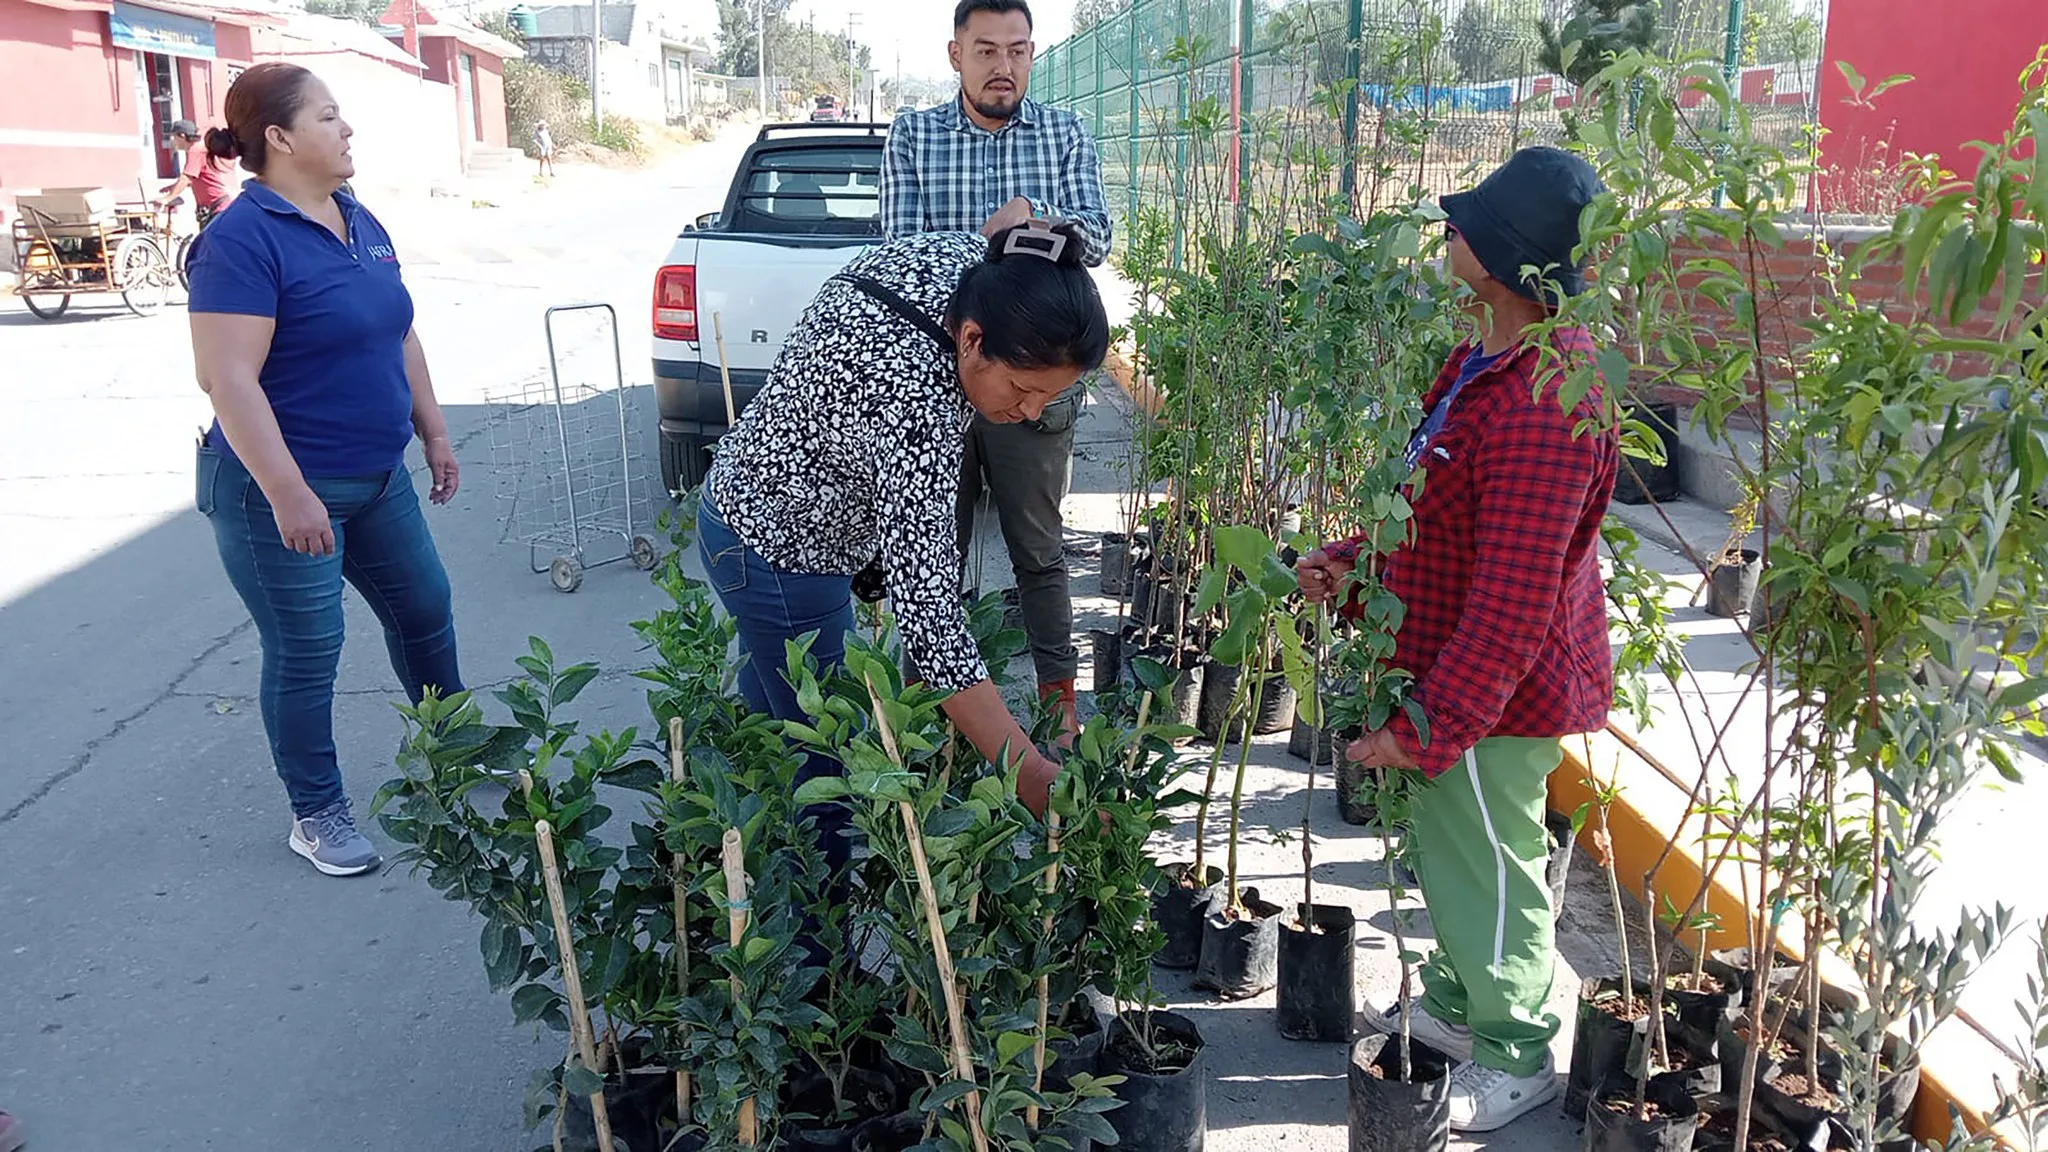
point(1240, 937)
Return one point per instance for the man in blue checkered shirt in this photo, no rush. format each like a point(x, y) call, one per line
point(986, 161)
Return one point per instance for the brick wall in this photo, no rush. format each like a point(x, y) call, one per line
point(1789, 282)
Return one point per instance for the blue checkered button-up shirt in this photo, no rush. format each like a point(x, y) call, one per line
point(945, 173)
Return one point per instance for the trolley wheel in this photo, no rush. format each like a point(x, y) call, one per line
point(645, 553)
point(143, 273)
point(566, 573)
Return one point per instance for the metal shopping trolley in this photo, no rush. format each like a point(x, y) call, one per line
point(562, 450)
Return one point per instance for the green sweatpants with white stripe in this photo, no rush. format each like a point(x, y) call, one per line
point(1480, 849)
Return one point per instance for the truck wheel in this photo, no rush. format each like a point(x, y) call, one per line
point(685, 460)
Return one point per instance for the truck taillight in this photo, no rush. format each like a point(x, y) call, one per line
point(675, 303)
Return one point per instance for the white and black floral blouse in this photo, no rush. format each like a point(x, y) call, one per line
point(853, 448)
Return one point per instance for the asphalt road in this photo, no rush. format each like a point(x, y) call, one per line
point(174, 978)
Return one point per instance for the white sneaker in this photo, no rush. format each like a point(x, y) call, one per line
point(1483, 1099)
point(1453, 1040)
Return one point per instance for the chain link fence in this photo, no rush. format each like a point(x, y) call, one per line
point(1445, 88)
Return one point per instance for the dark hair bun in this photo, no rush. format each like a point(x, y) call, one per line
point(1073, 255)
point(220, 144)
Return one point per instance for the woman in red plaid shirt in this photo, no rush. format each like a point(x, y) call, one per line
point(1506, 631)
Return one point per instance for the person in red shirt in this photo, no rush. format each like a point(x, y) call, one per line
point(1505, 630)
point(204, 175)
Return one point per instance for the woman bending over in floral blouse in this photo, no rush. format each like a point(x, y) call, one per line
point(852, 450)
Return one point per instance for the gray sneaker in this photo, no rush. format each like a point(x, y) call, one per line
point(329, 840)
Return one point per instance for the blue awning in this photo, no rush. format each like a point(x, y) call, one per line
point(169, 33)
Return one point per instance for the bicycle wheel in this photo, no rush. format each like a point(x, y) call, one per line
point(143, 273)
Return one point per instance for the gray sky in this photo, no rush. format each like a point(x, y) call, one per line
point(921, 28)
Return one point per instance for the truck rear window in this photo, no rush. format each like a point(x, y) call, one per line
point(814, 191)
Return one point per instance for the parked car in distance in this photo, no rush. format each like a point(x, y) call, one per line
point(825, 110)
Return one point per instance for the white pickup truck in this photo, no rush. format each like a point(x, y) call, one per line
point(805, 201)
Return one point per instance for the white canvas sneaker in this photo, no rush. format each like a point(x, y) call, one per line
point(1453, 1040)
point(1483, 1099)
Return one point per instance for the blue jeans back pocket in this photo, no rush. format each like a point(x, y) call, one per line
point(206, 472)
point(725, 555)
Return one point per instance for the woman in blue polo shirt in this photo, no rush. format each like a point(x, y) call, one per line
point(302, 335)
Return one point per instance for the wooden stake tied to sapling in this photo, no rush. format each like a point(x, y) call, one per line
point(572, 978)
point(733, 859)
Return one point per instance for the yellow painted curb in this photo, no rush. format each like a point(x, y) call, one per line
point(1638, 840)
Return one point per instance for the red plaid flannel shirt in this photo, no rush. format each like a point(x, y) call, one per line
point(1506, 626)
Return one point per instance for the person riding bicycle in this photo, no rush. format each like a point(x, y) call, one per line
point(204, 175)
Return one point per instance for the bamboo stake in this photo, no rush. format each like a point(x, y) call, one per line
point(724, 373)
point(680, 773)
point(562, 1096)
point(956, 1012)
point(572, 979)
point(734, 859)
point(1052, 881)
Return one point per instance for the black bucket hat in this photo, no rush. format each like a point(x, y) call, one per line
point(1527, 213)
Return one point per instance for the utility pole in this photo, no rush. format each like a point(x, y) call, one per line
point(596, 64)
point(761, 60)
point(852, 73)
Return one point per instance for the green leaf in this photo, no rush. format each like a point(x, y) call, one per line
point(532, 1002)
point(1011, 1045)
point(948, 1093)
point(2021, 696)
point(1240, 546)
point(820, 790)
point(540, 650)
point(581, 1081)
point(1215, 581)
point(572, 683)
point(1275, 578)
point(1854, 77)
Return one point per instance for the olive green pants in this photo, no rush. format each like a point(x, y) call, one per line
point(1480, 852)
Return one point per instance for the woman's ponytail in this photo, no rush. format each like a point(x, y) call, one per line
point(1034, 300)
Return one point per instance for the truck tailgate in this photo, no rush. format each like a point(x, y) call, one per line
point(761, 287)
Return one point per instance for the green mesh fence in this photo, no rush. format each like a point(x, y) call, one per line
point(1461, 79)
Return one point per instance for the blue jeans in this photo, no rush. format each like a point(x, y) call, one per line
point(381, 545)
point(771, 607)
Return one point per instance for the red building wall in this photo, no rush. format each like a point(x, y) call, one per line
point(490, 99)
point(68, 114)
point(1965, 60)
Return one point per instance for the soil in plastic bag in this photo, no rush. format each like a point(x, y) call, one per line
point(1316, 745)
point(1080, 1051)
point(1601, 1039)
point(872, 1091)
point(890, 1133)
point(1165, 1088)
point(1389, 1114)
point(1181, 910)
point(1317, 996)
point(641, 1105)
point(1612, 1126)
point(1354, 787)
point(1240, 954)
point(1116, 564)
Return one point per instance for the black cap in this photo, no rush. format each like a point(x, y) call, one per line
point(1527, 213)
point(185, 128)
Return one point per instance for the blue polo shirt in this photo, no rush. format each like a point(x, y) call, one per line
point(335, 376)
